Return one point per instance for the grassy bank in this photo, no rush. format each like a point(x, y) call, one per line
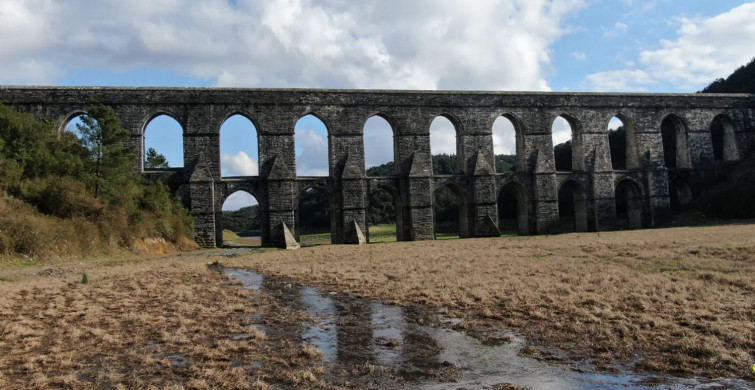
point(672, 300)
point(382, 233)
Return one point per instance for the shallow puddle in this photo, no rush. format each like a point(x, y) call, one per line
point(380, 346)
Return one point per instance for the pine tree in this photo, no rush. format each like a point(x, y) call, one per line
point(155, 160)
point(112, 161)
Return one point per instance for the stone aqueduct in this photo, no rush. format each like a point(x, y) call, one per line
point(647, 187)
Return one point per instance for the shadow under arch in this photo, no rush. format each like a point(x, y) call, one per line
point(451, 213)
point(246, 222)
point(513, 209)
point(723, 139)
point(318, 205)
point(572, 208)
point(675, 138)
point(680, 194)
point(630, 159)
point(628, 204)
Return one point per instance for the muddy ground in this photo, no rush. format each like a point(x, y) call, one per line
point(678, 300)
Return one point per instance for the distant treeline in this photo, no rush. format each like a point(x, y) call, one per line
point(618, 144)
point(741, 81)
point(314, 209)
point(244, 221)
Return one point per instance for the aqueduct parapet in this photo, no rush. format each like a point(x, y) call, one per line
point(661, 165)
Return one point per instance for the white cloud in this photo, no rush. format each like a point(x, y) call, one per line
point(561, 131)
point(422, 44)
point(504, 136)
point(442, 136)
point(615, 123)
point(378, 142)
point(239, 164)
point(619, 27)
point(579, 55)
point(627, 80)
point(705, 49)
point(646, 5)
point(311, 153)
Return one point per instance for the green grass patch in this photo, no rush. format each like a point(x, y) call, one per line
point(446, 236)
point(230, 236)
point(314, 239)
point(232, 239)
point(383, 233)
point(673, 267)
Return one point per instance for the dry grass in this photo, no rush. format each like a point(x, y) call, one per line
point(160, 323)
point(676, 300)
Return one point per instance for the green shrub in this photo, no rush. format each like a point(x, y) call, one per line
point(62, 195)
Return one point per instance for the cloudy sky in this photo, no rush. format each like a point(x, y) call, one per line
point(538, 45)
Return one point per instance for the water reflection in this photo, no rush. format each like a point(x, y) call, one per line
point(388, 325)
point(322, 332)
point(352, 331)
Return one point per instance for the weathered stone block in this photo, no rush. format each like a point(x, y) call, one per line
point(274, 112)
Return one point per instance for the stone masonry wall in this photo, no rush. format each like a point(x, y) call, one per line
point(592, 183)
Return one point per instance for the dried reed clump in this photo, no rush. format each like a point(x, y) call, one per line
point(311, 352)
point(681, 298)
point(143, 324)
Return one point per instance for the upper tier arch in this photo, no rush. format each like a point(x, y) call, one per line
point(274, 113)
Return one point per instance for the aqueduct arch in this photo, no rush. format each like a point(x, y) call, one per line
point(202, 111)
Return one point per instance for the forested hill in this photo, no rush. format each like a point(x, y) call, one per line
point(65, 196)
point(731, 196)
point(445, 164)
point(741, 81)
